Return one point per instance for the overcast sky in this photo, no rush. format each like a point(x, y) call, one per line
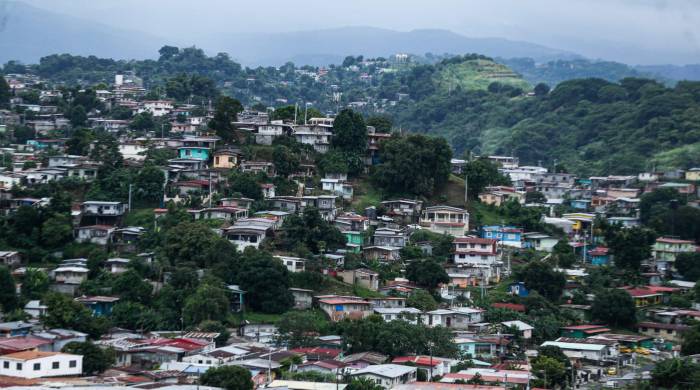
point(595, 28)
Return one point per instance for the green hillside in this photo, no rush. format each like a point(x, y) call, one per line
point(477, 74)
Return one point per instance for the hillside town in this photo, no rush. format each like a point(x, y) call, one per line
point(157, 242)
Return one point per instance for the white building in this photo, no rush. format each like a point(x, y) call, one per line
point(157, 107)
point(445, 219)
point(293, 264)
point(387, 375)
point(36, 364)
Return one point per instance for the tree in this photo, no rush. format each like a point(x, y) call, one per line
point(363, 384)
point(427, 273)
point(285, 160)
point(134, 316)
point(535, 197)
point(381, 123)
point(421, 300)
point(312, 231)
point(5, 91)
point(630, 246)
point(688, 264)
point(216, 327)
point(541, 89)
point(106, 151)
point(79, 142)
point(266, 282)
point(299, 328)
point(413, 165)
point(149, 183)
point(95, 359)
point(208, 303)
point(35, 283)
point(614, 307)
point(167, 52)
point(189, 242)
point(691, 341)
point(78, 116)
point(226, 113)
point(8, 295)
point(244, 184)
point(228, 378)
point(130, 287)
point(481, 173)
point(539, 276)
point(64, 312)
point(563, 254)
point(350, 132)
point(56, 231)
point(550, 371)
point(143, 122)
point(676, 373)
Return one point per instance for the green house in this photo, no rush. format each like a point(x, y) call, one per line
point(583, 331)
point(354, 241)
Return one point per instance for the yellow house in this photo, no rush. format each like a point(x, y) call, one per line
point(226, 158)
point(692, 174)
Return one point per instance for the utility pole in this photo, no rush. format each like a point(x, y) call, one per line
point(162, 131)
point(295, 113)
point(210, 194)
point(306, 110)
point(130, 185)
point(466, 188)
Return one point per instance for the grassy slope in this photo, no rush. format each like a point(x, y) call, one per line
point(477, 74)
point(674, 157)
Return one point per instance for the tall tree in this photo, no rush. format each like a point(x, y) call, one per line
point(226, 113)
point(481, 173)
point(413, 165)
point(266, 282)
point(95, 359)
point(427, 273)
point(350, 132)
point(5, 91)
point(8, 295)
point(614, 307)
point(539, 276)
point(630, 246)
point(228, 378)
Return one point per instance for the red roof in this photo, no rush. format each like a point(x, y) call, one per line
point(343, 301)
point(418, 360)
point(330, 352)
point(599, 251)
point(660, 325)
point(583, 327)
point(511, 306)
point(200, 183)
point(640, 292)
point(21, 343)
point(488, 378)
point(668, 240)
point(475, 240)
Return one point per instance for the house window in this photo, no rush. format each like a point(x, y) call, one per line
point(5, 364)
point(73, 363)
point(19, 366)
point(55, 365)
point(37, 366)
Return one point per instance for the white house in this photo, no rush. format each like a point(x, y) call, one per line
point(456, 317)
point(445, 219)
point(293, 264)
point(36, 364)
point(387, 375)
point(594, 350)
point(521, 327)
point(157, 107)
point(103, 209)
point(408, 314)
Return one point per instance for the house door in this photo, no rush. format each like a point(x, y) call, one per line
point(448, 321)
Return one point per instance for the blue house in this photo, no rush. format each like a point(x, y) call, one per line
point(599, 256)
point(100, 305)
point(15, 328)
point(507, 235)
point(580, 204)
point(194, 152)
point(518, 289)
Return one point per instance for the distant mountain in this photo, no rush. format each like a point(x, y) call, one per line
point(673, 72)
point(322, 47)
point(28, 33)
